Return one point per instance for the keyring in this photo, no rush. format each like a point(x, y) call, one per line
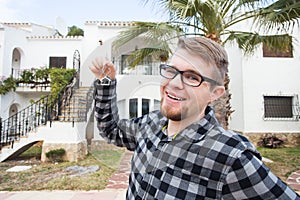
point(106, 80)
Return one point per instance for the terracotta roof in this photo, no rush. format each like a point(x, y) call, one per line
point(55, 37)
point(110, 23)
point(18, 25)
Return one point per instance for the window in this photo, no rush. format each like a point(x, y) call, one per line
point(144, 67)
point(133, 108)
point(145, 106)
point(141, 106)
point(273, 52)
point(281, 107)
point(124, 64)
point(58, 62)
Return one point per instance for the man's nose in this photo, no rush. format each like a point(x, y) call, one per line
point(177, 81)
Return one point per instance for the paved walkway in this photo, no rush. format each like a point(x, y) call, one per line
point(115, 190)
point(294, 181)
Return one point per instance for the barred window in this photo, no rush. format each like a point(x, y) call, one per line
point(280, 107)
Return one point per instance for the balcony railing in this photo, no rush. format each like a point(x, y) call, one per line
point(42, 83)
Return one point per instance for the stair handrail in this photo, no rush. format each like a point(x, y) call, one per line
point(89, 100)
point(38, 113)
point(24, 121)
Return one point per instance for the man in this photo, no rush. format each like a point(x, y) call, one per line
point(181, 151)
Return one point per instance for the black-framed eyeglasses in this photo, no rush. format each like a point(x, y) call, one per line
point(190, 78)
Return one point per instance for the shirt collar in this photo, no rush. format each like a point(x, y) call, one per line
point(196, 131)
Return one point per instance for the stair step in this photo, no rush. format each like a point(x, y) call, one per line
point(70, 118)
point(75, 113)
point(70, 108)
point(74, 106)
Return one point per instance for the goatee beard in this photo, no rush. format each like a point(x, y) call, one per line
point(169, 114)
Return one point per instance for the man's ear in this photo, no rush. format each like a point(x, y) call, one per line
point(217, 92)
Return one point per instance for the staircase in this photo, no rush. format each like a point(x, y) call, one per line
point(25, 128)
point(76, 108)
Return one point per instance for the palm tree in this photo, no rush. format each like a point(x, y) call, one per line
point(218, 20)
point(282, 14)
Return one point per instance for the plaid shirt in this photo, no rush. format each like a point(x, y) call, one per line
point(203, 161)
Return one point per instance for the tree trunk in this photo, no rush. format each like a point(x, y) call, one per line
point(222, 105)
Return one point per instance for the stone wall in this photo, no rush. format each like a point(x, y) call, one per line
point(289, 139)
point(74, 151)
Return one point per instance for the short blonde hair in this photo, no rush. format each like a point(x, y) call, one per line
point(208, 50)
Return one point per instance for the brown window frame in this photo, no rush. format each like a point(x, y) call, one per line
point(276, 53)
point(58, 62)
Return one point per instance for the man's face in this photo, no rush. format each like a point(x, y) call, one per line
point(180, 101)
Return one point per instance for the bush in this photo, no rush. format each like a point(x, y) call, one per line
point(56, 155)
point(270, 142)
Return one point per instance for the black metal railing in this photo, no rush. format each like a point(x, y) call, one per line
point(47, 109)
point(64, 106)
point(26, 120)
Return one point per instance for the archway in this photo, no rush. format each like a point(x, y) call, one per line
point(16, 62)
point(13, 120)
point(13, 109)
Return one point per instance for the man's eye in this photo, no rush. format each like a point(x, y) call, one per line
point(170, 71)
point(192, 77)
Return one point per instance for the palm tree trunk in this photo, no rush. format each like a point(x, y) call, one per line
point(222, 105)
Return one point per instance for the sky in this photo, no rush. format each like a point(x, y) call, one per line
point(77, 12)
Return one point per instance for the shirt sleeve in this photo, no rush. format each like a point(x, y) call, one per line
point(115, 131)
point(249, 178)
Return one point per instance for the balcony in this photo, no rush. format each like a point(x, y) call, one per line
point(33, 80)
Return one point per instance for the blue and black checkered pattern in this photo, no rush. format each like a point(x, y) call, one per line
point(204, 161)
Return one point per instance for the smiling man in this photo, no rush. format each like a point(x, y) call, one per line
point(181, 151)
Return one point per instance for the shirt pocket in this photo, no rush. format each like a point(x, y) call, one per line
point(188, 176)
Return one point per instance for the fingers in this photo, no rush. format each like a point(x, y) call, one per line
point(102, 67)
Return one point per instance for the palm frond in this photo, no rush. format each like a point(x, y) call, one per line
point(150, 31)
point(156, 53)
point(248, 41)
point(283, 14)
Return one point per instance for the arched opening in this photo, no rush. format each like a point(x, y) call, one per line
point(13, 122)
point(16, 62)
point(13, 109)
point(16, 59)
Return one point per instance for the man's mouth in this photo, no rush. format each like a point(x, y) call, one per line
point(175, 97)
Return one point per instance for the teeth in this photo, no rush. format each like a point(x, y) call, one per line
point(176, 98)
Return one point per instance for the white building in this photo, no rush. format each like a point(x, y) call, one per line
point(256, 81)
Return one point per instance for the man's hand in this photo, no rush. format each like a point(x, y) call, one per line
point(102, 67)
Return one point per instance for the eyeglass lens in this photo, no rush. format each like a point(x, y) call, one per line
point(188, 77)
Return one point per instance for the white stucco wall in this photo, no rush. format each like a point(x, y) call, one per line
point(268, 76)
point(235, 73)
point(14, 38)
point(39, 50)
point(250, 77)
point(257, 76)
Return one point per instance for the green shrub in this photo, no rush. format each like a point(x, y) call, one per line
point(56, 155)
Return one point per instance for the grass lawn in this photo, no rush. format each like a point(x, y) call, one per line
point(51, 176)
point(285, 160)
